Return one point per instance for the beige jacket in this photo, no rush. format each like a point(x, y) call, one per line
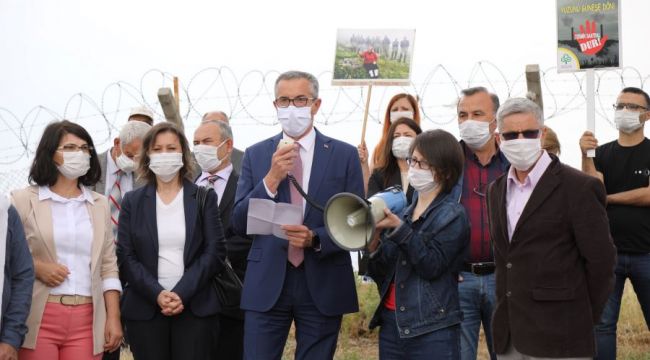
point(37, 220)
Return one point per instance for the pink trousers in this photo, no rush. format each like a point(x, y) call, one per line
point(66, 333)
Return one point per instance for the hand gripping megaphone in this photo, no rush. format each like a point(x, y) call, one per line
point(350, 220)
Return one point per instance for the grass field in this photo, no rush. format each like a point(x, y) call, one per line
point(356, 342)
point(388, 69)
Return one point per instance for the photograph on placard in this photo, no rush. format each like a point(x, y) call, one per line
point(377, 56)
point(588, 35)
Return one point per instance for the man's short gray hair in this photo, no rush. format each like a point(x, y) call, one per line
point(480, 89)
point(225, 116)
point(519, 106)
point(133, 130)
point(291, 75)
point(224, 129)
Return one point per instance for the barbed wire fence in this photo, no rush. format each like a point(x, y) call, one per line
point(246, 99)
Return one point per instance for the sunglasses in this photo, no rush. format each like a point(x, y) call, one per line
point(528, 134)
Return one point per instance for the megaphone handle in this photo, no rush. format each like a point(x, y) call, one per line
point(310, 201)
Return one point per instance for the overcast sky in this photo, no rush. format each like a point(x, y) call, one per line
point(51, 50)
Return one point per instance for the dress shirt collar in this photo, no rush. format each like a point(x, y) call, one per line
point(534, 175)
point(111, 166)
point(470, 154)
point(45, 193)
point(223, 173)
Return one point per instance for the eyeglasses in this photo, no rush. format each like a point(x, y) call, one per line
point(528, 134)
point(300, 101)
point(420, 164)
point(74, 147)
point(631, 107)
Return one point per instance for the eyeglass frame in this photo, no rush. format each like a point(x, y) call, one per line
point(74, 147)
point(527, 134)
point(412, 162)
point(629, 106)
point(293, 101)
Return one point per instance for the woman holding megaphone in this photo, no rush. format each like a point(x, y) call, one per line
point(415, 262)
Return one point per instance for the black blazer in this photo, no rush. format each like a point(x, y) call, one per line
point(137, 253)
point(238, 246)
point(555, 274)
point(376, 183)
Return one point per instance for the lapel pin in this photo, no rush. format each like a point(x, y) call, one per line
point(326, 146)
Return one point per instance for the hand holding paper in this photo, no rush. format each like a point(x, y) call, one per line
point(298, 235)
point(266, 217)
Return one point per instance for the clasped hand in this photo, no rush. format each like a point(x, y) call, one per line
point(170, 303)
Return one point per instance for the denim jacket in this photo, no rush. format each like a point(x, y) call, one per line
point(423, 258)
point(18, 283)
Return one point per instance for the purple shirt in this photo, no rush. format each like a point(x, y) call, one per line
point(219, 184)
point(517, 193)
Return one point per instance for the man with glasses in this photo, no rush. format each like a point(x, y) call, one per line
point(484, 163)
point(623, 165)
point(552, 249)
point(301, 276)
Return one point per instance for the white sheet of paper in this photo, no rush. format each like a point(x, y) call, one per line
point(265, 217)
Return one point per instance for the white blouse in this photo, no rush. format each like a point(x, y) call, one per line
point(72, 230)
point(170, 219)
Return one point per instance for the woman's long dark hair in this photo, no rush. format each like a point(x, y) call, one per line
point(379, 157)
point(44, 171)
point(391, 167)
point(148, 142)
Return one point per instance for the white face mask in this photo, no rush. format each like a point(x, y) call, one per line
point(125, 163)
point(475, 133)
point(396, 115)
point(166, 165)
point(294, 120)
point(401, 146)
point(75, 164)
point(207, 157)
point(627, 121)
point(421, 180)
point(521, 153)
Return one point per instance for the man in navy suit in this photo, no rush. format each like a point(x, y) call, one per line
point(307, 278)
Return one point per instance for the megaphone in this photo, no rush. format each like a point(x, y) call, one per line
point(350, 220)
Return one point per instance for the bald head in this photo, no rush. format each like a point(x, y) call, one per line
point(215, 116)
